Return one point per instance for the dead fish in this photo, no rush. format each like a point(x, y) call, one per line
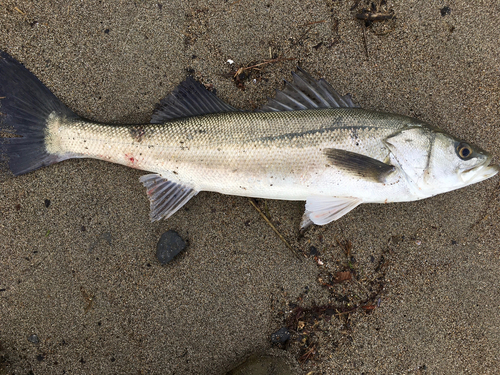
point(307, 144)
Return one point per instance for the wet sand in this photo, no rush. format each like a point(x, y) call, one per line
point(82, 276)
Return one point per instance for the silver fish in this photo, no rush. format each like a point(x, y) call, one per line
point(308, 144)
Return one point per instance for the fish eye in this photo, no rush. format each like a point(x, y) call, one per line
point(464, 151)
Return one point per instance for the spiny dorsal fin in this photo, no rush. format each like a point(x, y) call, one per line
point(307, 93)
point(189, 99)
point(166, 197)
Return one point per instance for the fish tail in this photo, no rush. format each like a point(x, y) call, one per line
point(25, 106)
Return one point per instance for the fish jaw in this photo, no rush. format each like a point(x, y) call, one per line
point(480, 173)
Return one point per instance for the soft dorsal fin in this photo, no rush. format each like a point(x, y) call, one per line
point(166, 197)
point(307, 93)
point(189, 99)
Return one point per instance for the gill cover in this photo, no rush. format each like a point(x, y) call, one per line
point(412, 149)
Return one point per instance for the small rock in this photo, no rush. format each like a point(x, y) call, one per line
point(445, 11)
point(47, 203)
point(34, 339)
point(169, 245)
point(280, 337)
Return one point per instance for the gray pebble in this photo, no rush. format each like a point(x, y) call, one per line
point(280, 337)
point(34, 339)
point(169, 245)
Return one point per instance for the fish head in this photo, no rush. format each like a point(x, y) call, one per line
point(435, 162)
point(454, 163)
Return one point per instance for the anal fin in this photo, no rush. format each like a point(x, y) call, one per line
point(166, 197)
point(322, 210)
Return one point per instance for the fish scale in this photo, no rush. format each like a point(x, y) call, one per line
point(209, 152)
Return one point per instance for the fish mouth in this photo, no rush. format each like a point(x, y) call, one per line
point(481, 172)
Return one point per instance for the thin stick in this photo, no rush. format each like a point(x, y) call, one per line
point(275, 230)
point(20, 11)
point(241, 70)
point(365, 42)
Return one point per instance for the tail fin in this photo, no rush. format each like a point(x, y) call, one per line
point(25, 105)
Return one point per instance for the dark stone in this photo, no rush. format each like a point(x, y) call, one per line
point(313, 251)
point(281, 336)
point(47, 203)
point(169, 245)
point(34, 339)
point(445, 11)
point(106, 31)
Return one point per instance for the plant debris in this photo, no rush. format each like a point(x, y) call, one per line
point(244, 73)
point(88, 298)
point(375, 13)
point(353, 290)
point(342, 276)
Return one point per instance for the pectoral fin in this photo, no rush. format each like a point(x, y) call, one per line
point(166, 197)
point(321, 210)
point(359, 165)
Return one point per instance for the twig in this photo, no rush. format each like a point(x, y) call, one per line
point(234, 3)
point(241, 70)
point(365, 42)
point(275, 230)
point(346, 312)
point(368, 16)
point(20, 11)
point(303, 35)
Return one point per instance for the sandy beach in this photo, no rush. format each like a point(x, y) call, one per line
point(81, 290)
